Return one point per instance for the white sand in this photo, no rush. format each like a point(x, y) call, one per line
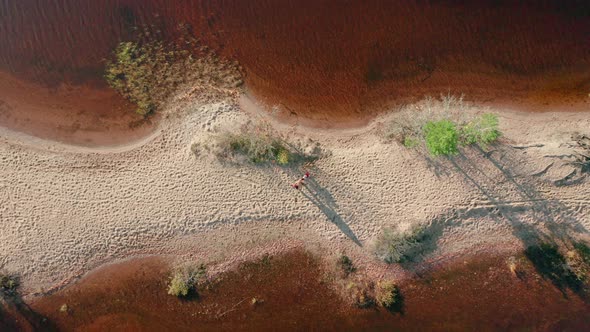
point(65, 209)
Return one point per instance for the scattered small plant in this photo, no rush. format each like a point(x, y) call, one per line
point(387, 295)
point(577, 266)
point(583, 250)
point(346, 266)
point(411, 142)
point(9, 284)
point(514, 265)
point(361, 295)
point(183, 282)
point(398, 247)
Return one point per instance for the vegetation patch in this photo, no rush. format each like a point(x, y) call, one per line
point(258, 144)
point(399, 247)
point(564, 272)
point(388, 296)
point(482, 130)
point(441, 137)
point(147, 71)
point(9, 284)
point(184, 281)
point(345, 265)
point(361, 294)
point(442, 126)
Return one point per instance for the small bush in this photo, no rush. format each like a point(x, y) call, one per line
point(184, 281)
point(258, 144)
point(361, 295)
point(394, 247)
point(482, 130)
point(387, 294)
point(346, 265)
point(258, 148)
point(441, 137)
point(9, 284)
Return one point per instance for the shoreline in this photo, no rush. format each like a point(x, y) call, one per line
point(173, 143)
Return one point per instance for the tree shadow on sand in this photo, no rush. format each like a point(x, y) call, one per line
point(542, 224)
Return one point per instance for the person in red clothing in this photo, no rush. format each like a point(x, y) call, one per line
point(301, 182)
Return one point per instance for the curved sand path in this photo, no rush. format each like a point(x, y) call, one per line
point(67, 209)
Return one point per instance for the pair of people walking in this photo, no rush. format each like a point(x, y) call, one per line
point(301, 182)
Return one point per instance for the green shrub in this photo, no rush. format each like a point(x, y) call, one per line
point(441, 137)
point(387, 294)
point(346, 266)
point(395, 247)
point(441, 125)
point(183, 282)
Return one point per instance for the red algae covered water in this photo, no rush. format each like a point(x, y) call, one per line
point(323, 59)
point(292, 294)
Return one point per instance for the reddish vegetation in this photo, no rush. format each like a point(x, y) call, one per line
point(326, 59)
point(480, 295)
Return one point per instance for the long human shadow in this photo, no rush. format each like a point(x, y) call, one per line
point(322, 198)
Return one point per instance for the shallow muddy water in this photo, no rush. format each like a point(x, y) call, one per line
point(321, 60)
point(295, 295)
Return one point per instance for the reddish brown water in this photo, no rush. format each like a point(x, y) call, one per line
point(328, 59)
point(481, 295)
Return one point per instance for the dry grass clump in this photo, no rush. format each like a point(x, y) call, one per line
point(258, 144)
point(387, 294)
point(345, 265)
point(578, 261)
point(184, 281)
point(361, 294)
point(398, 247)
point(9, 284)
point(147, 71)
point(442, 125)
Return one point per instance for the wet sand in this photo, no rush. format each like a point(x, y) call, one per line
point(295, 295)
point(75, 114)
